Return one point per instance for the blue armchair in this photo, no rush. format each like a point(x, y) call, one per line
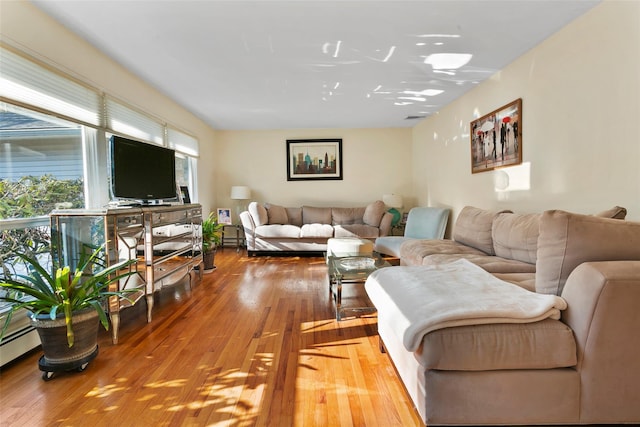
point(422, 223)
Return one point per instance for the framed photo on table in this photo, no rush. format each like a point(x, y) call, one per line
point(314, 159)
point(184, 194)
point(496, 138)
point(224, 216)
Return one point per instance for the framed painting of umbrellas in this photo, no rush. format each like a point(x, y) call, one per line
point(496, 138)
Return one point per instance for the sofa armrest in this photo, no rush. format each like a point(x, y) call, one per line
point(597, 291)
point(249, 229)
point(385, 224)
point(602, 311)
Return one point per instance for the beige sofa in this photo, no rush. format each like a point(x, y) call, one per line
point(579, 367)
point(271, 228)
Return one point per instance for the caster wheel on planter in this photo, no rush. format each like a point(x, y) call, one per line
point(49, 369)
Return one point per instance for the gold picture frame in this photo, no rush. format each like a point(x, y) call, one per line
point(496, 138)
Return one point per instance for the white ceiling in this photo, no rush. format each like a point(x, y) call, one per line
point(313, 64)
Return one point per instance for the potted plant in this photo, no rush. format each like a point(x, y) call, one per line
point(66, 307)
point(211, 238)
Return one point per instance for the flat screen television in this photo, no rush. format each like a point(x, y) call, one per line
point(141, 172)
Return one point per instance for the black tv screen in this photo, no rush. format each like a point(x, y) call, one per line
point(141, 171)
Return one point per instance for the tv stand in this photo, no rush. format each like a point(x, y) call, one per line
point(165, 240)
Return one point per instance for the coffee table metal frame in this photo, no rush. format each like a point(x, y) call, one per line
point(346, 270)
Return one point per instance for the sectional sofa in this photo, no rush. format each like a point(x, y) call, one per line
point(271, 228)
point(521, 319)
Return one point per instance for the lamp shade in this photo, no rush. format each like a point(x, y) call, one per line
point(393, 200)
point(240, 192)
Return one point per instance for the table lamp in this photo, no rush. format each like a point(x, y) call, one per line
point(393, 201)
point(240, 192)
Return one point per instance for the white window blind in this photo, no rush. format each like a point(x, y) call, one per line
point(182, 142)
point(30, 84)
point(127, 121)
point(26, 82)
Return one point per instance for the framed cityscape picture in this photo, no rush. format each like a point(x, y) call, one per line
point(496, 138)
point(314, 159)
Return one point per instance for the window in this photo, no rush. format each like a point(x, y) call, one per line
point(53, 143)
point(41, 163)
point(54, 152)
point(37, 144)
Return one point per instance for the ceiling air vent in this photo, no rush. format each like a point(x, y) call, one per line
point(414, 117)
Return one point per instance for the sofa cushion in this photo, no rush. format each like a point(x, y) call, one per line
point(315, 231)
point(258, 214)
point(276, 214)
point(313, 215)
point(567, 240)
point(412, 252)
point(616, 212)
point(278, 230)
point(524, 280)
point(356, 230)
point(473, 228)
point(490, 263)
point(373, 213)
point(515, 236)
point(295, 216)
point(344, 216)
point(546, 344)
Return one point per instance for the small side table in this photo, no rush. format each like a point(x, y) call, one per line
point(238, 236)
point(398, 229)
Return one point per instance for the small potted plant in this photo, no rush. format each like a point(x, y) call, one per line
point(211, 238)
point(66, 307)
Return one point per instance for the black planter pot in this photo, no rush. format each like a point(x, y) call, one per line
point(58, 356)
point(208, 259)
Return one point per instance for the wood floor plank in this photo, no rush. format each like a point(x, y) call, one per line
point(255, 343)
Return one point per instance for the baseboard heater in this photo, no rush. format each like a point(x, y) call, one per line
point(19, 339)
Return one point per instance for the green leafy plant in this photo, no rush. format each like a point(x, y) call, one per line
point(65, 292)
point(38, 195)
point(211, 233)
point(30, 241)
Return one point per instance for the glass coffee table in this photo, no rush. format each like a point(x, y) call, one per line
point(352, 269)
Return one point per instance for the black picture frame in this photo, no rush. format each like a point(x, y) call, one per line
point(314, 159)
point(184, 191)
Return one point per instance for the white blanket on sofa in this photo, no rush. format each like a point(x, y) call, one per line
point(426, 298)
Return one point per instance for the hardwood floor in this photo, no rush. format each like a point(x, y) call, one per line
point(254, 343)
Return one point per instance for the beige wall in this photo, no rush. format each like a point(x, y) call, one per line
point(25, 27)
point(375, 163)
point(581, 105)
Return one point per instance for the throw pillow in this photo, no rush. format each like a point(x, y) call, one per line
point(346, 216)
point(473, 228)
point(258, 213)
point(276, 214)
point(373, 213)
point(295, 216)
point(616, 212)
point(313, 215)
point(567, 240)
point(515, 236)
